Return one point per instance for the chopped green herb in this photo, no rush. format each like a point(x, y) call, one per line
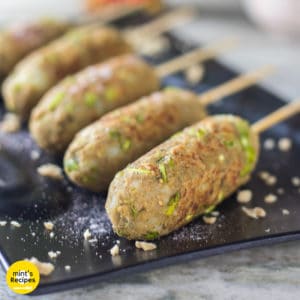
point(111, 94)
point(90, 99)
point(220, 196)
point(171, 88)
point(69, 108)
point(200, 133)
point(139, 118)
point(52, 58)
point(188, 218)
point(56, 101)
point(229, 144)
point(133, 211)
point(17, 87)
point(172, 204)
point(126, 119)
point(244, 131)
point(209, 209)
point(126, 144)
point(163, 172)
point(71, 165)
point(115, 134)
point(139, 171)
point(151, 235)
point(251, 158)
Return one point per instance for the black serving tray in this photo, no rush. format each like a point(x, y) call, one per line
point(31, 200)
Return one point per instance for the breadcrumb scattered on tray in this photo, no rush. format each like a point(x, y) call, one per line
point(244, 196)
point(285, 212)
point(68, 268)
point(255, 213)
point(194, 74)
point(269, 144)
point(270, 198)
point(35, 155)
point(10, 123)
point(15, 224)
point(49, 226)
point(54, 254)
point(209, 220)
point(115, 250)
point(285, 144)
point(296, 181)
point(87, 234)
point(146, 246)
point(44, 268)
point(50, 170)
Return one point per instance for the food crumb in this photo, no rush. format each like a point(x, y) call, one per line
point(194, 74)
point(267, 230)
point(215, 213)
point(115, 250)
point(285, 212)
point(48, 225)
point(244, 196)
point(3, 223)
point(154, 47)
point(44, 268)
point(50, 170)
point(15, 224)
point(269, 144)
point(53, 254)
point(146, 246)
point(271, 180)
point(209, 220)
point(35, 155)
point(255, 213)
point(270, 198)
point(68, 268)
point(51, 235)
point(284, 144)
point(87, 234)
point(296, 181)
point(10, 123)
point(280, 191)
point(263, 175)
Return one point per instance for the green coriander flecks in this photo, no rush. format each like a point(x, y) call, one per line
point(57, 99)
point(152, 235)
point(133, 211)
point(111, 94)
point(90, 99)
point(163, 163)
point(125, 143)
point(139, 171)
point(228, 144)
point(172, 204)
point(244, 131)
point(71, 165)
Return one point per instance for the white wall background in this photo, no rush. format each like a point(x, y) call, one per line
point(12, 10)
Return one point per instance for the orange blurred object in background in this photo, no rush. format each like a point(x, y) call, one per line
point(152, 6)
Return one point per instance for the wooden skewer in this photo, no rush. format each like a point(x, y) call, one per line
point(277, 116)
point(235, 85)
point(160, 24)
point(198, 55)
point(110, 15)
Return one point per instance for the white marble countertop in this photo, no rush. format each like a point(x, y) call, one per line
point(271, 272)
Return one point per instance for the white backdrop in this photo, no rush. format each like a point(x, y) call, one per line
point(12, 10)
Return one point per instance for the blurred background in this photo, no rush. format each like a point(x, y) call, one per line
point(268, 30)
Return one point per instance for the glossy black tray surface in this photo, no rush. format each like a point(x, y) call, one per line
point(31, 200)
